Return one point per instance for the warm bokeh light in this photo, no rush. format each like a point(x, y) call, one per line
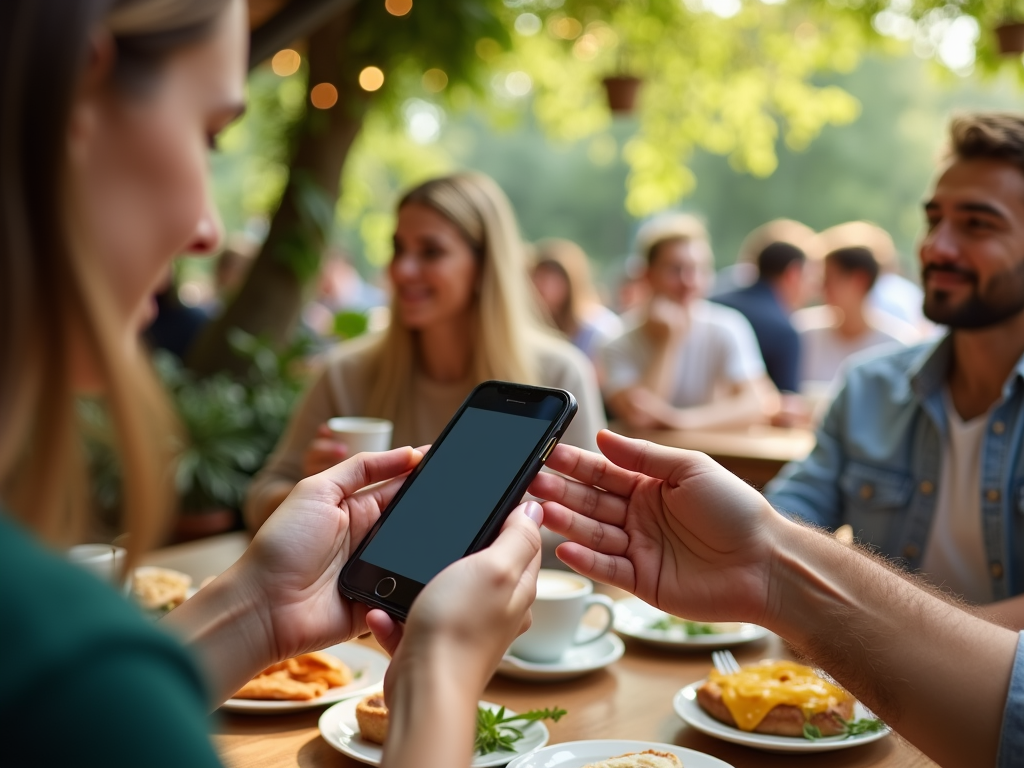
point(488, 48)
point(324, 96)
point(398, 7)
point(566, 28)
point(586, 47)
point(435, 80)
point(371, 79)
point(286, 62)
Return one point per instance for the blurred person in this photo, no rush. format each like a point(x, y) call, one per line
point(176, 325)
point(690, 538)
point(685, 363)
point(920, 450)
point(109, 112)
point(561, 275)
point(846, 324)
point(768, 303)
point(743, 273)
point(892, 293)
point(340, 288)
point(463, 312)
point(632, 291)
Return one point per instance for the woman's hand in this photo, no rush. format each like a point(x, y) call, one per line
point(670, 526)
point(281, 598)
point(295, 559)
point(472, 611)
point(459, 627)
point(323, 453)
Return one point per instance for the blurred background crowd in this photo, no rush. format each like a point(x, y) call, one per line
point(715, 253)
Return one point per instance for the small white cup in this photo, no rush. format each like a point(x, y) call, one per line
point(562, 599)
point(104, 561)
point(361, 434)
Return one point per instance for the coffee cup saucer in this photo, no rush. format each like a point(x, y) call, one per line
point(577, 661)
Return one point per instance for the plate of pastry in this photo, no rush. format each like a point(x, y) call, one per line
point(778, 706)
point(311, 680)
point(636, 619)
point(357, 728)
point(614, 753)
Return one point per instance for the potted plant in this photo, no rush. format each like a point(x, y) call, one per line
point(1010, 36)
point(622, 88)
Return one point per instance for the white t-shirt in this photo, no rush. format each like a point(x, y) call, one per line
point(955, 553)
point(823, 350)
point(720, 349)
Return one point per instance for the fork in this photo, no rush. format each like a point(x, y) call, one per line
point(725, 662)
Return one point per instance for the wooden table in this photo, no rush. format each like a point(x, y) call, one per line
point(755, 454)
point(632, 699)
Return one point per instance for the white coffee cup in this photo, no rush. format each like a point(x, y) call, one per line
point(562, 599)
point(361, 434)
point(104, 561)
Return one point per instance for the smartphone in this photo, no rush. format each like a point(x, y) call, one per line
point(456, 500)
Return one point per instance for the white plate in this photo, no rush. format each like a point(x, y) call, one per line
point(339, 728)
point(633, 618)
point(577, 661)
point(686, 706)
point(367, 665)
point(574, 754)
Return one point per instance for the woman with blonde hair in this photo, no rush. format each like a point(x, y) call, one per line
point(561, 275)
point(462, 313)
point(109, 110)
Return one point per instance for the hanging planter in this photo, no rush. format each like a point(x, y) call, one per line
point(622, 91)
point(1010, 35)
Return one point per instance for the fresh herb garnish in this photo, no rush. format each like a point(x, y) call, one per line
point(850, 728)
point(689, 627)
point(494, 732)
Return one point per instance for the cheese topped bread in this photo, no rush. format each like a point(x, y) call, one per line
point(777, 698)
point(649, 759)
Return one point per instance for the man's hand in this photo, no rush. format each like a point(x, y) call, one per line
point(670, 526)
point(666, 320)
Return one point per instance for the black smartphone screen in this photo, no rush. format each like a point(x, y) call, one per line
point(437, 519)
point(455, 501)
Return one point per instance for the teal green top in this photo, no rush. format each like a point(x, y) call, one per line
point(86, 679)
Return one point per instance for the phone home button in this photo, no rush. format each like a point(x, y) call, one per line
point(385, 587)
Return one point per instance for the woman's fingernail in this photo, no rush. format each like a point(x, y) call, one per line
point(534, 511)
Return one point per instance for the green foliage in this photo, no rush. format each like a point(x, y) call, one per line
point(850, 728)
point(349, 325)
point(231, 425)
point(251, 165)
point(494, 729)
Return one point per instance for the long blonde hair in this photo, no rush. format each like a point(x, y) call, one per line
point(571, 260)
point(504, 314)
point(52, 296)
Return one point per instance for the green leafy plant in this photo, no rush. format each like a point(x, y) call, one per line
point(231, 425)
point(667, 623)
point(850, 728)
point(494, 730)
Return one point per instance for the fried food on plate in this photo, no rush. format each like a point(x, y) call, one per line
point(281, 686)
point(776, 698)
point(160, 589)
point(649, 759)
point(372, 716)
point(299, 679)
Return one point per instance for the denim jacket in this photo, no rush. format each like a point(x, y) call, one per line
point(878, 458)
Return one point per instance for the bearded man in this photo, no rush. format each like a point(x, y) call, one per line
point(920, 452)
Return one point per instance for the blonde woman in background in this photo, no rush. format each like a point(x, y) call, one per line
point(109, 110)
point(561, 275)
point(462, 313)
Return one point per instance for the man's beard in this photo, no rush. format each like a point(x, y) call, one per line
point(1002, 299)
